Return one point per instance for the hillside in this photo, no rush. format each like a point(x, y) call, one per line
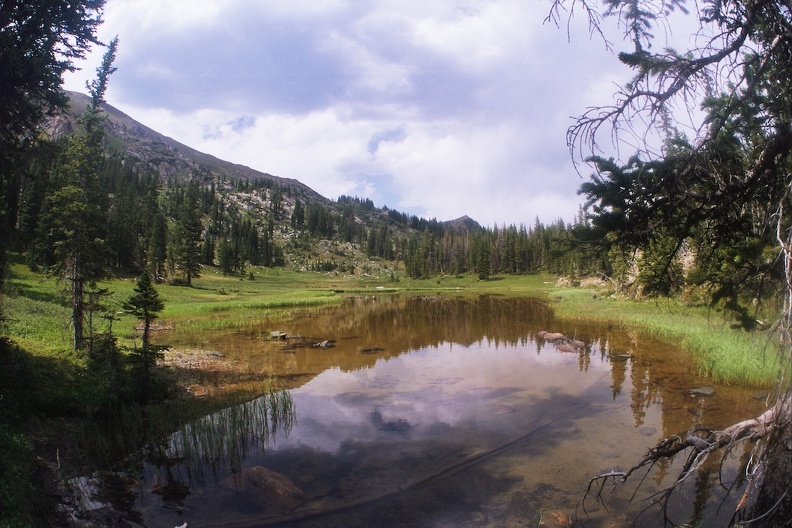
point(309, 231)
point(151, 185)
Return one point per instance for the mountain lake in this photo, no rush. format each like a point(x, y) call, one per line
point(437, 412)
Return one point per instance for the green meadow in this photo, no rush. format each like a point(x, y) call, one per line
point(38, 314)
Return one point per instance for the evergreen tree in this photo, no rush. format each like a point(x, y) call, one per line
point(298, 215)
point(146, 305)
point(77, 216)
point(39, 42)
point(208, 250)
point(187, 248)
point(727, 192)
point(155, 235)
point(483, 260)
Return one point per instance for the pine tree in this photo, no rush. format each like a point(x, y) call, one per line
point(727, 190)
point(76, 209)
point(146, 305)
point(298, 215)
point(483, 260)
point(187, 248)
point(155, 231)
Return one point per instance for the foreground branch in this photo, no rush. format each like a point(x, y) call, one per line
point(700, 444)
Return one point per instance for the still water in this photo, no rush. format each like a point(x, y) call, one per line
point(442, 412)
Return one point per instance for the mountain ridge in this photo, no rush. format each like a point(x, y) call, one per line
point(171, 158)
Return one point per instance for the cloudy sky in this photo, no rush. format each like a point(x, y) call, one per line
point(435, 108)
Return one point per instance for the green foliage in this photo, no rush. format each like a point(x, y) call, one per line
point(665, 210)
point(19, 497)
point(74, 216)
point(187, 236)
point(483, 264)
point(39, 42)
point(145, 304)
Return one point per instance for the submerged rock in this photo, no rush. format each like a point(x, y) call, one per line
point(566, 347)
point(553, 336)
point(400, 425)
point(562, 342)
point(702, 391)
point(275, 486)
point(647, 431)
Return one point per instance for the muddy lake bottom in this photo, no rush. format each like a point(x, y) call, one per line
point(441, 412)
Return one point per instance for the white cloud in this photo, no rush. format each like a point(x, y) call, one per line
point(441, 109)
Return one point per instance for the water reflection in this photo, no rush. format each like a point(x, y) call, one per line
point(226, 437)
point(440, 412)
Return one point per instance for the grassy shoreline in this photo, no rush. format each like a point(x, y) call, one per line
point(720, 352)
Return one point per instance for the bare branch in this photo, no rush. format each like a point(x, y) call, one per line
point(700, 444)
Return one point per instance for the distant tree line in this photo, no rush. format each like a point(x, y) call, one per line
point(555, 248)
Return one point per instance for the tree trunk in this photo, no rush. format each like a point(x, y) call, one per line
point(77, 312)
point(145, 362)
point(146, 331)
point(773, 506)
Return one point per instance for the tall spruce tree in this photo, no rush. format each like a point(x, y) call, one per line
point(39, 42)
point(76, 209)
point(187, 247)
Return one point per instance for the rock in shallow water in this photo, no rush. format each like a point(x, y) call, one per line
point(702, 391)
point(275, 486)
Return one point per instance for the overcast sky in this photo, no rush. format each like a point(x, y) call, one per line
point(435, 108)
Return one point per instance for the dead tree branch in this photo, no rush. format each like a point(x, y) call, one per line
point(700, 445)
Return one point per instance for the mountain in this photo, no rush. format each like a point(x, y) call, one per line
point(464, 223)
point(262, 219)
point(170, 207)
point(163, 155)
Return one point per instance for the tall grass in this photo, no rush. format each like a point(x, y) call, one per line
point(228, 435)
point(721, 353)
point(198, 432)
